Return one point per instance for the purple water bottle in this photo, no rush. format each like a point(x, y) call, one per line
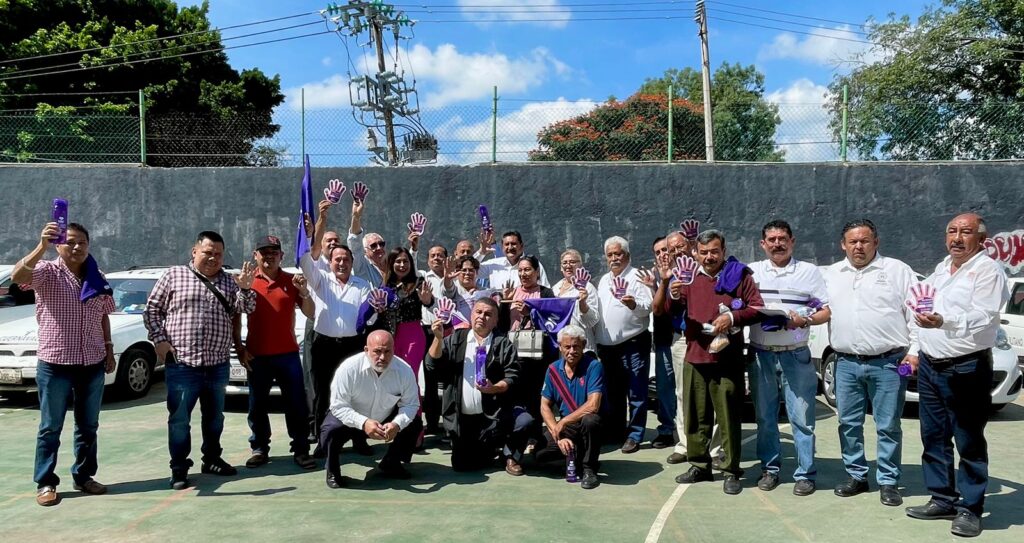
point(570, 468)
point(904, 369)
point(485, 218)
point(481, 363)
point(60, 216)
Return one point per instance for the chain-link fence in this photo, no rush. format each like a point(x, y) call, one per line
point(641, 128)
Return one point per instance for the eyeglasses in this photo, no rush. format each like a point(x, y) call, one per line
point(377, 245)
point(567, 263)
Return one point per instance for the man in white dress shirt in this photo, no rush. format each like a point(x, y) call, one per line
point(374, 394)
point(624, 344)
point(501, 270)
point(780, 342)
point(955, 375)
point(872, 333)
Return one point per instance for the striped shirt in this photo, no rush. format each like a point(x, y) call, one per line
point(790, 288)
point(337, 304)
point(182, 310)
point(70, 332)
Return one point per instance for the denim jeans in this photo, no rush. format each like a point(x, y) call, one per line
point(60, 386)
point(955, 401)
point(800, 385)
point(877, 380)
point(665, 384)
point(185, 386)
point(627, 369)
point(286, 370)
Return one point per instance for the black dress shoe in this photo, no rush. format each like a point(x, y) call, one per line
point(695, 475)
point(334, 480)
point(589, 479)
point(768, 481)
point(851, 487)
point(966, 524)
point(394, 470)
point(676, 458)
point(803, 487)
point(732, 485)
point(663, 441)
point(890, 495)
point(630, 447)
point(932, 510)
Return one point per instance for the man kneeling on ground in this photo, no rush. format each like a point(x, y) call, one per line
point(574, 386)
point(374, 393)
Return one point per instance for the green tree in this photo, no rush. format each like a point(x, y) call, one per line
point(744, 121)
point(950, 86)
point(635, 129)
point(201, 111)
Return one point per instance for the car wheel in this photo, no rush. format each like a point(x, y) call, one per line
point(134, 374)
point(828, 379)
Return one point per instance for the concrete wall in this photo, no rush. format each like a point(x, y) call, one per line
point(150, 216)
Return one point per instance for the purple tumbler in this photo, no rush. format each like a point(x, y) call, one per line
point(60, 216)
point(570, 468)
point(485, 218)
point(481, 362)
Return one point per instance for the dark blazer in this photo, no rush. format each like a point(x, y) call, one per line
point(501, 365)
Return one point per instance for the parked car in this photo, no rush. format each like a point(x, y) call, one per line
point(16, 302)
point(134, 354)
point(1012, 319)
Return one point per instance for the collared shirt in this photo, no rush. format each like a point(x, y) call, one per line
point(359, 393)
point(337, 304)
point(361, 264)
point(472, 399)
point(183, 311)
point(499, 271)
point(618, 322)
point(969, 301)
point(869, 316)
point(586, 380)
point(70, 332)
point(465, 299)
point(788, 288)
point(271, 326)
point(703, 305)
point(587, 321)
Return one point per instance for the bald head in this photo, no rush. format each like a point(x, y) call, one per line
point(380, 346)
point(965, 235)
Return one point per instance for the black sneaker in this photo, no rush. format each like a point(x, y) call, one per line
point(589, 479)
point(219, 467)
point(966, 524)
point(732, 485)
point(179, 479)
point(803, 487)
point(768, 481)
point(663, 441)
point(695, 475)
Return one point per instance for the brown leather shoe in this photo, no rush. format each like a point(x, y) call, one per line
point(47, 496)
point(92, 486)
point(513, 468)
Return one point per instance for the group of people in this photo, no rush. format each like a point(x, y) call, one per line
point(512, 387)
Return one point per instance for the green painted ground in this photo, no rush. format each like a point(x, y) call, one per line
point(280, 502)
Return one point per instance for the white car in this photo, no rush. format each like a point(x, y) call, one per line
point(133, 352)
point(14, 303)
point(1012, 318)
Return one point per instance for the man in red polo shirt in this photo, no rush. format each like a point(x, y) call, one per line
point(272, 354)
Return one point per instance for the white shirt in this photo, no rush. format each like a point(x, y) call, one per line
point(587, 321)
point(472, 399)
point(359, 393)
point(337, 305)
point(869, 313)
point(969, 301)
point(499, 271)
point(788, 288)
point(619, 323)
point(465, 299)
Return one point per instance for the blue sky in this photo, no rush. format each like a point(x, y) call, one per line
point(555, 64)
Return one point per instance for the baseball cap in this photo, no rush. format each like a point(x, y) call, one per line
point(268, 241)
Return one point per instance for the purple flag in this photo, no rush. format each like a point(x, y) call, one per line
point(551, 314)
point(308, 207)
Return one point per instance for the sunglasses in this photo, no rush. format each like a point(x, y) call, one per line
point(377, 245)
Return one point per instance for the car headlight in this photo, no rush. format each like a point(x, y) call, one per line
point(1002, 342)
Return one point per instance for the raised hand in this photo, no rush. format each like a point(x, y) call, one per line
point(299, 282)
point(418, 224)
point(308, 223)
point(324, 206)
point(581, 278)
point(378, 299)
point(426, 295)
point(444, 309)
point(359, 192)
point(685, 270)
point(246, 276)
point(451, 270)
point(508, 290)
point(619, 286)
point(334, 191)
point(49, 233)
point(647, 278)
point(690, 229)
point(922, 298)
point(486, 240)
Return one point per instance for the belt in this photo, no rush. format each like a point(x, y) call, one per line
point(864, 357)
point(334, 339)
point(779, 348)
point(942, 363)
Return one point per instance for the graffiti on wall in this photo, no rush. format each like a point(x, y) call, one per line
point(1007, 248)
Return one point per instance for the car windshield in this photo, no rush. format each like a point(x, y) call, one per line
point(1016, 305)
point(130, 295)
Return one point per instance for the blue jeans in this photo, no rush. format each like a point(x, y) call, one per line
point(800, 385)
point(627, 368)
point(58, 385)
point(286, 370)
point(185, 386)
point(955, 401)
point(858, 381)
point(665, 384)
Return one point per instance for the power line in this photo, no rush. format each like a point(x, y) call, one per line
point(717, 3)
point(763, 18)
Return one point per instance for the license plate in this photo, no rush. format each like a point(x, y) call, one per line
point(10, 376)
point(238, 373)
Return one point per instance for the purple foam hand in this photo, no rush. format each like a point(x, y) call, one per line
point(334, 191)
point(923, 296)
point(619, 286)
point(360, 191)
point(685, 270)
point(378, 299)
point(690, 229)
point(485, 218)
point(418, 224)
point(581, 278)
point(443, 311)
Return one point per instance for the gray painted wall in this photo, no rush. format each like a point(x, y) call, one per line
point(143, 216)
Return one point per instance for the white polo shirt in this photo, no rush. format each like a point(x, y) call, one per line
point(969, 301)
point(788, 288)
point(619, 323)
point(869, 313)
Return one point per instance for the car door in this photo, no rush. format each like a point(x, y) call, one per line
point(1013, 318)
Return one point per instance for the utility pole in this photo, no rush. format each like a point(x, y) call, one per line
point(389, 124)
point(701, 16)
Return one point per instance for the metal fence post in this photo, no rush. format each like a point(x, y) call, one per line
point(494, 128)
point(670, 124)
point(142, 128)
point(842, 148)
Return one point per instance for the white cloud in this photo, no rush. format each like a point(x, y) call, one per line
point(329, 93)
point(804, 129)
point(822, 48)
point(549, 13)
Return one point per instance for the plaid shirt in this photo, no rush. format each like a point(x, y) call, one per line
point(182, 311)
point(70, 332)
